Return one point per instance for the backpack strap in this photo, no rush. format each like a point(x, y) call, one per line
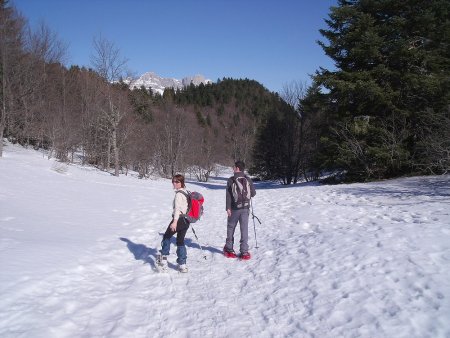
point(188, 198)
point(234, 180)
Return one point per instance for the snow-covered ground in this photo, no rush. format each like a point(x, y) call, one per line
point(78, 246)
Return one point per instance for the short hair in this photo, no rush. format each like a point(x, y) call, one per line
point(240, 165)
point(180, 178)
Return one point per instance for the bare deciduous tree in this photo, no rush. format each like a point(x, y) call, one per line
point(172, 142)
point(46, 46)
point(293, 93)
point(434, 149)
point(44, 92)
point(11, 45)
point(203, 160)
point(111, 67)
point(353, 149)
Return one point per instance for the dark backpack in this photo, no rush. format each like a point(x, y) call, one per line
point(195, 206)
point(240, 190)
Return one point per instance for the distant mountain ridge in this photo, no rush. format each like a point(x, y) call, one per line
point(151, 80)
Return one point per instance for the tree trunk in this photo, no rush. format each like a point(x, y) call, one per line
point(108, 155)
point(116, 152)
point(1, 138)
point(3, 118)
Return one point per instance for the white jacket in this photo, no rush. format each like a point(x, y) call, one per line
point(180, 204)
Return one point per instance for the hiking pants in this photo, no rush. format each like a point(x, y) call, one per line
point(241, 216)
point(182, 228)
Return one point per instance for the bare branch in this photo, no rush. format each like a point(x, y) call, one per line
point(107, 60)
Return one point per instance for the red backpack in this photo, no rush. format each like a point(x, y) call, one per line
point(195, 205)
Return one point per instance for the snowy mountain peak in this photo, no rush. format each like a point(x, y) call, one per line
point(151, 80)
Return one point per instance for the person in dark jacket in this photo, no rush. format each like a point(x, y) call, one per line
point(240, 190)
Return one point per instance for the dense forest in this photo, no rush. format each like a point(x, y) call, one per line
point(384, 111)
point(388, 101)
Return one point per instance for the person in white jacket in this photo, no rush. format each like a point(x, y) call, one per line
point(178, 225)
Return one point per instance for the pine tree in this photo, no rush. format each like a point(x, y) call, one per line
point(277, 151)
point(392, 65)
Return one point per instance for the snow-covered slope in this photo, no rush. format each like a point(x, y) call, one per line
point(78, 246)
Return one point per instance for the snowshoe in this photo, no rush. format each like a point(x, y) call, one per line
point(161, 263)
point(245, 256)
point(183, 268)
point(229, 253)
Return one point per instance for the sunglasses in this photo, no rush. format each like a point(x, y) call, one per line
point(175, 181)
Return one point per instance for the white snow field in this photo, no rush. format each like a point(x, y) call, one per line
point(78, 247)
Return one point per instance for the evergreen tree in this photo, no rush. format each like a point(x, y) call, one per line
point(141, 100)
point(277, 150)
point(392, 66)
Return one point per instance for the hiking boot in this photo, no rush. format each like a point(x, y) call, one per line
point(183, 268)
point(161, 261)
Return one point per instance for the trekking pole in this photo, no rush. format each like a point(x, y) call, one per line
point(198, 242)
point(254, 226)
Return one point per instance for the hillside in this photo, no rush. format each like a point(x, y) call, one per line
point(222, 119)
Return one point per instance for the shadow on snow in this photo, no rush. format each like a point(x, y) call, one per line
point(262, 185)
point(437, 188)
point(148, 255)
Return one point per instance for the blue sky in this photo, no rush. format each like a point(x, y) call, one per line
point(272, 42)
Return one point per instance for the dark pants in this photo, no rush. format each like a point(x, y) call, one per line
point(182, 228)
